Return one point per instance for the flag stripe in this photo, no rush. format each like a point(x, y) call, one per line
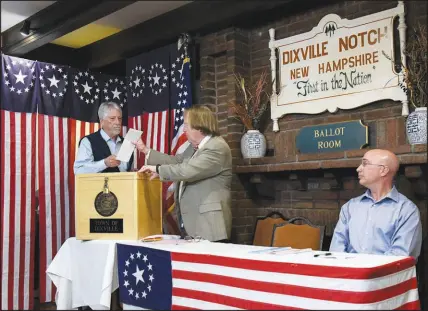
point(413, 305)
point(301, 291)
point(31, 211)
point(42, 211)
point(65, 180)
point(3, 207)
point(72, 153)
point(17, 209)
point(354, 285)
point(149, 140)
point(52, 205)
point(6, 207)
point(46, 232)
point(188, 303)
point(228, 303)
point(21, 179)
point(287, 300)
point(61, 144)
point(156, 135)
point(14, 207)
point(56, 200)
point(301, 269)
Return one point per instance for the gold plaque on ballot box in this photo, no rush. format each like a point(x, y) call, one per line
point(117, 206)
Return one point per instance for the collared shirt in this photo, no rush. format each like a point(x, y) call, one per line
point(389, 226)
point(203, 141)
point(85, 163)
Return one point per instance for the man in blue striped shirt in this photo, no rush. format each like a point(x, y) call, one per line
point(382, 220)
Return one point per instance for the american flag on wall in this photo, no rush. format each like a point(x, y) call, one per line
point(158, 90)
point(182, 97)
point(56, 214)
point(63, 121)
point(148, 99)
point(156, 279)
point(18, 175)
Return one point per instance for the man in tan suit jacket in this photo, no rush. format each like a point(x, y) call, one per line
point(202, 176)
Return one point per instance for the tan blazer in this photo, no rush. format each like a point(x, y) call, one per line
point(205, 200)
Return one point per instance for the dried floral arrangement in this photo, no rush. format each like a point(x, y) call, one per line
point(255, 100)
point(415, 73)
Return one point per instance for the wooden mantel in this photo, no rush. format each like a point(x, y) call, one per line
point(407, 154)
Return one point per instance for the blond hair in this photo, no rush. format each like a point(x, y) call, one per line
point(201, 118)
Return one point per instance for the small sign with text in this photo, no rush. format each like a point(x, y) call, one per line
point(332, 137)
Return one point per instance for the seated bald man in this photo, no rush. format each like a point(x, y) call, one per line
point(382, 220)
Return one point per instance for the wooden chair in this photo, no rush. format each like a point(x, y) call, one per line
point(305, 235)
point(263, 228)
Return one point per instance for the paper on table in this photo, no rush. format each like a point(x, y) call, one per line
point(159, 237)
point(268, 250)
point(127, 148)
point(291, 251)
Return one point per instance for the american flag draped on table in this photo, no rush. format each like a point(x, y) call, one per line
point(159, 88)
point(18, 175)
point(156, 279)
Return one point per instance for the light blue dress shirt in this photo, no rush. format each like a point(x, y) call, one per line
point(85, 163)
point(390, 226)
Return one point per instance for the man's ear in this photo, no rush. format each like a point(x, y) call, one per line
point(385, 170)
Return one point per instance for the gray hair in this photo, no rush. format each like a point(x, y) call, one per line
point(105, 108)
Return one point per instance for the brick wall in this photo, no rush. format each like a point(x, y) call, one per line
point(310, 185)
point(329, 178)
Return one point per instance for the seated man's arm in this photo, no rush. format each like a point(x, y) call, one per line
point(407, 238)
point(84, 162)
point(340, 240)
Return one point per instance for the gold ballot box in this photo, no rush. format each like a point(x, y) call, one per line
point(117, 206)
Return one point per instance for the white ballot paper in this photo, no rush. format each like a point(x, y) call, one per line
point(127, 148)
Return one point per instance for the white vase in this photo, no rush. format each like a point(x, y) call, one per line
point(253, 144)
point(416, 126)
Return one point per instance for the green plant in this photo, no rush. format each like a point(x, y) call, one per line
point(255, 100)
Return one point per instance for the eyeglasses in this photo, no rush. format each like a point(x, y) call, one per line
point(189, 238)
point(364, 163)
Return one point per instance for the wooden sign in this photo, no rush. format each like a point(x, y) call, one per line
point(332, 137)
point(340, 63)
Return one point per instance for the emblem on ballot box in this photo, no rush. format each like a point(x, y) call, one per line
point(106, 201)
point(106, 204)
point(117, 206)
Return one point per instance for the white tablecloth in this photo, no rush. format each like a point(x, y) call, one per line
point(85, 273)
